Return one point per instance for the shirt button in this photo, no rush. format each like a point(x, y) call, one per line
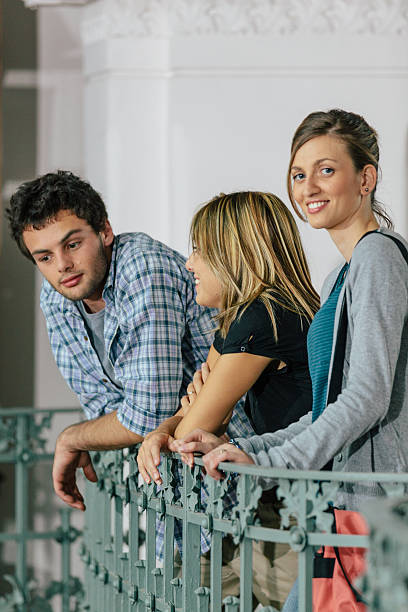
point(243, 349)
point(339, 457)
point(104, 380)
point(86, 338)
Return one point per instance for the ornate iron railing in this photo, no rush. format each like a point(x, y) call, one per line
point(23, 444)
point(118, 578)
point(120, 575)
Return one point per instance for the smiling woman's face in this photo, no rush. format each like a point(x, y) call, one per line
point(208, 287)
point(326, 185)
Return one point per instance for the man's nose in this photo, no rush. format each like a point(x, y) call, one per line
point(64, 262)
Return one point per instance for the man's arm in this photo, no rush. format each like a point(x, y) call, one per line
point(73, 444)
point(71, 453)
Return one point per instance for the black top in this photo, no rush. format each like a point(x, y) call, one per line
point(279, 397)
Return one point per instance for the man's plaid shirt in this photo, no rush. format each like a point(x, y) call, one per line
point(156, 336)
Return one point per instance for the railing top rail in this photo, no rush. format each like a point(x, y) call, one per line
point(29, 411)
point(323, 475)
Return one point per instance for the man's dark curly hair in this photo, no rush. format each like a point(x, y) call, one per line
point(37, 202)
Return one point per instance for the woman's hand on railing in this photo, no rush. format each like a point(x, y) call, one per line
point(148, 458)
point(198, 441)
point(224, 452)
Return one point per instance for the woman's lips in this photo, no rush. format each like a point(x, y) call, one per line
point(71, 281)
point(316, 206)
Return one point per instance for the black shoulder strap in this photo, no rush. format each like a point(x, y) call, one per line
point(358, 596)
point(336, 378)
point(399, 244)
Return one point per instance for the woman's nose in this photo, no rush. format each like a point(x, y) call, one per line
point(189, 265)
point(310, 185)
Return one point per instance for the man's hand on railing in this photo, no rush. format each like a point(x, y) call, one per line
point(148, 458)
point(66, 461)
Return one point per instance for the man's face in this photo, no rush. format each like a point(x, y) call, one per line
point(71, 256)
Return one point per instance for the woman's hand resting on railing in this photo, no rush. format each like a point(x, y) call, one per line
point(214, 448)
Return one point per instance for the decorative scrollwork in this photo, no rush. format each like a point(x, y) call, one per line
point(243, 514)
point(217, 490)
point(162, 19)
point(36, 601)
point(168, 472)
point(310, 503)
point(109, 466)
point(192, 483)
point(35, 432)
point(8, 429)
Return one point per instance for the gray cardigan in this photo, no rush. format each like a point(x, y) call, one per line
point(366, 428)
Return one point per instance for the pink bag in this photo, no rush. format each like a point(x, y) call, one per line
point(336, 569)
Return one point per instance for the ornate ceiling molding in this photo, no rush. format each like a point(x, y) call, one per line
point(38, 3)
point(167, 18)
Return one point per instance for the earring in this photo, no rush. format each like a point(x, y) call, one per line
point(366, 189)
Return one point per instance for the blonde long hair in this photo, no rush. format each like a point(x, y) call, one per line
point(252, 244)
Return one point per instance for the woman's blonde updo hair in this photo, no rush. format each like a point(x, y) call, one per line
point(252, 244)
point(359, 137)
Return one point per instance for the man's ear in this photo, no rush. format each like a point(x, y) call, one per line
point(107, 234)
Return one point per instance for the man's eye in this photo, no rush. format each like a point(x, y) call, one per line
point(73, 245)
point(44, 259)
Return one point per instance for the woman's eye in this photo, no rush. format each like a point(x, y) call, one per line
point(327, 171)
point(298, 177)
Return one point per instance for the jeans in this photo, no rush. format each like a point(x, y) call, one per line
point(291, 604)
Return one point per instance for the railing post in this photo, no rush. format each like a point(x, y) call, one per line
point(306, 553)
point(21, 503)
point(65, 514)
point(191, 539)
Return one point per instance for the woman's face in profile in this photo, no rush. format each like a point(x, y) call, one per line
point(326, 185)
point(208, 287)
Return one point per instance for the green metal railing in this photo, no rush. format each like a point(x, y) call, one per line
point(118, 579)
point(23, 444)
point(121, 575)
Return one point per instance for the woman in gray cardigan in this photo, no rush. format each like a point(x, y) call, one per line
point(332, 180)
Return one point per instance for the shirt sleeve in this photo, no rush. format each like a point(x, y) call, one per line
point(150, 366)
point(252, 332)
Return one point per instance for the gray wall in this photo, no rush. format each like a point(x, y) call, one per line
point(19, 119)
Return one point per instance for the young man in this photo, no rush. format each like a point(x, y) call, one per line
point(123, 323)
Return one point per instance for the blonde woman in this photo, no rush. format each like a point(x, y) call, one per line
point(249, 264)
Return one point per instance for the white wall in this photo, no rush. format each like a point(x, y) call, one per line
point(182, 100)
point(60, 146)
point(205, 98)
